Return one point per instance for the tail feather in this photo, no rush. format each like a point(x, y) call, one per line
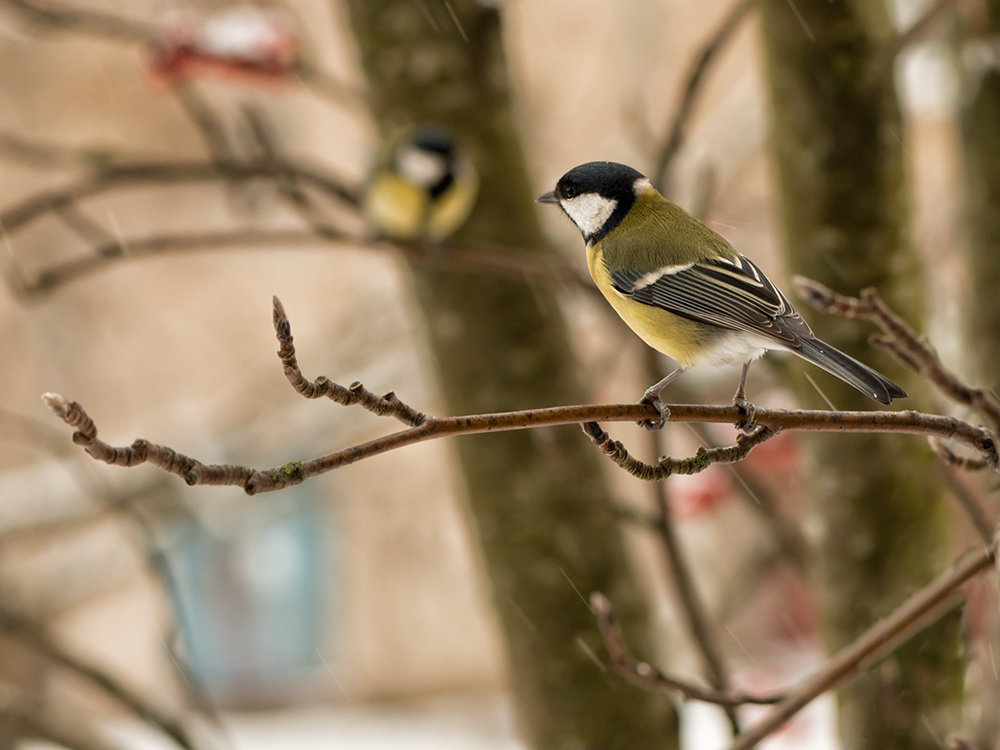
point(861, 376)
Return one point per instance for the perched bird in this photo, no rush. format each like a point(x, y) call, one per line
point(422, 186)
point(683, 288)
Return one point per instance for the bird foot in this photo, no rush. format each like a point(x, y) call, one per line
point(657, 424)
point(749, 421)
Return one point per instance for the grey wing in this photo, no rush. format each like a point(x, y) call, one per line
point(730, 293)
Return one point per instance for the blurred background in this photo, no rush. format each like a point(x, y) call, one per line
point(360, 609)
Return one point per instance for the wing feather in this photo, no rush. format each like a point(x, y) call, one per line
point(730, 293)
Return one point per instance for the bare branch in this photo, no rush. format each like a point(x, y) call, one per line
point(62, 272)
point(199, 112)
point(979, 519)
point(918, 28)
point(30, 634)
point(85, 21)
point(42, 155)
point(905, 622)
point(696, 75)
point(254, 480)
point(63, 202)
point(285, 181)
point(949, 456)
point(667, 466)
point(82, 225)
point(331, 88)
point(648, 677)
point(356, 393)
point(25, 718)
point(761, 501)
point(689, 601)
point(691, 606)
point(165, 173)
point(902, 341)
point(479, 258)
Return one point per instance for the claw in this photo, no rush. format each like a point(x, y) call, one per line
point(649, 424)
point(749, 421)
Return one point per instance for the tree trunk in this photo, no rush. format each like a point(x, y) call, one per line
point(980, 147)
point(537, 498)
point(980, 118)
point(884, 528)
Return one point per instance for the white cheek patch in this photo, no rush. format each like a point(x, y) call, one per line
point(421, 167)
point(589, 211)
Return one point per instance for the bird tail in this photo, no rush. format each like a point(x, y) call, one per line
point(861, 376)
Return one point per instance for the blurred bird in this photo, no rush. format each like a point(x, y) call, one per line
point(422, 186)
point(684, 290)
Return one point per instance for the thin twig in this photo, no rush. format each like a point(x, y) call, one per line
point(356, 393)
point(695, 78)
point(254, 480)
point(692, 607)
point(979, 519)
point(689, 601)
point(903, 342)
point(285, 181)
point(198, 110)
point(760, 500)
point(30, 634)
point(917, 29)
point(335, 90)
point(857, 655)
point(82, 225)
point(85, 21)
point(43, 155)
point(121, 29)
point(648, 677)
point(22, 718)
point(946, 454)
point(62, 272)
point(667, 466)
point(479, 258)
point(195, 472)
point(164, 173)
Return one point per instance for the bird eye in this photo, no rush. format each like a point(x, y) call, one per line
point(569, 192)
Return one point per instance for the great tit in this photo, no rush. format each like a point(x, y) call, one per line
point(422, 186)
point(683, 288)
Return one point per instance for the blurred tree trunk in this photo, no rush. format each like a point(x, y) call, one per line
point(537, 498)
point(836, 136)
point(980, 147)
point(980, 121)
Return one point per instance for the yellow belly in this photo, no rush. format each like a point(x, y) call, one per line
point(679, 338)
point(397, 208)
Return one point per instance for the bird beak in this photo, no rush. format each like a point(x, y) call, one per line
point(549, 197)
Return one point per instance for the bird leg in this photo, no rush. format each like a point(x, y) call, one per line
point(652, 396)
point(749, 421)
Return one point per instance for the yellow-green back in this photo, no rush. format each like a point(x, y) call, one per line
point(657, 233)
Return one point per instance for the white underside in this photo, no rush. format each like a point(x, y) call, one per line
point(735, 349)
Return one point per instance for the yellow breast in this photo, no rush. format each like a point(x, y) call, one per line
point(400, 209)
point(395, 207)
point(677, 337)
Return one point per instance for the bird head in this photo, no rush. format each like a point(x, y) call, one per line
point(597, 195)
